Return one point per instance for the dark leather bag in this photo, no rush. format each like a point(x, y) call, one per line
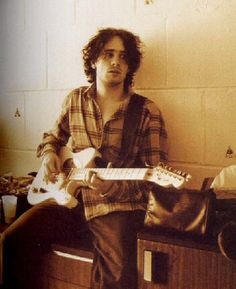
point(188, 211)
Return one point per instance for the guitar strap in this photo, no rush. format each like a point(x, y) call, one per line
point(131, 125)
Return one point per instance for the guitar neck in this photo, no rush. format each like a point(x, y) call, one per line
point(111, 173)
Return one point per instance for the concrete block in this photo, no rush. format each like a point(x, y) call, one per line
point(201, 50)
point(220, 118)
point(42, 109)
point(152, 73)
point(65, 66)
point(44, 14)
point(24, 60)
point(18, 162)
point(12, 118)
point(104, 13)
point(182, 111)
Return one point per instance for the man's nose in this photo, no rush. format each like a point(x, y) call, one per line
point(115, 60)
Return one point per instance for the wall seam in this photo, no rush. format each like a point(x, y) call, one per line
point(167, 53)
point(203, 107)
point(46, 61)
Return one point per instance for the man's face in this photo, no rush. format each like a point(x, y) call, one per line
point(111, 65)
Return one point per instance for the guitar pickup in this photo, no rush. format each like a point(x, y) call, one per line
point(37, 191)
point(41, 190)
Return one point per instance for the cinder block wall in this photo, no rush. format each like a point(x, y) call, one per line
point(189, 70)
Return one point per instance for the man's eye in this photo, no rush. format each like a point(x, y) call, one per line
point(123, 56)
point(108, 54)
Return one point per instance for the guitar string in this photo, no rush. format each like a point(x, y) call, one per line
point(124, 173)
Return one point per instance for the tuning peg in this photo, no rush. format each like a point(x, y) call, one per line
point(148, 166)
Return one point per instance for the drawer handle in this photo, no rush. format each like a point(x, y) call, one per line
point(156, 267)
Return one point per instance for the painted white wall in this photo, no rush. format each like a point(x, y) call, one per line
point(189, 70)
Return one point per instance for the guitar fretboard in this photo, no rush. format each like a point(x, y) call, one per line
point(112, 173)
point(130, 174)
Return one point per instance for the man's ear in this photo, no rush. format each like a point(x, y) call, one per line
point(93, 65)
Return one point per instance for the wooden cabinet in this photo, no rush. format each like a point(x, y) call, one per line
point(171, 263)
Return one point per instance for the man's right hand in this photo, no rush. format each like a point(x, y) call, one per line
point(51, 166)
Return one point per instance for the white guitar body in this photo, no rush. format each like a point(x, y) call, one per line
point(63, 190)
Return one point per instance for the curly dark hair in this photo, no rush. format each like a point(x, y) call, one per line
point(92, 50)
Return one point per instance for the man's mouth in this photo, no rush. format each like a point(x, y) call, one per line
point(115, 71)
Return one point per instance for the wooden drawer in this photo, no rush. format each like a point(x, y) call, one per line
point(67, 268)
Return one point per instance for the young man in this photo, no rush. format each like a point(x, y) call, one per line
point(111, 211)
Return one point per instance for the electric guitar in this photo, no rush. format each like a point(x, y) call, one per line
point(63, 190)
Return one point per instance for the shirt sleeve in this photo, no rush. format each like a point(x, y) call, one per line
point(54, 139)
point(154, 142)
point(154, 146)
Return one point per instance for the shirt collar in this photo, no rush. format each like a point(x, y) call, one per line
point(90, 91)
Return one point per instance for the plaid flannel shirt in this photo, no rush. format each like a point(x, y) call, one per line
point(80, 122)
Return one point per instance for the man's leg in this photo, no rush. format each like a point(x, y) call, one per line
point(115, 243)
point(29, 238)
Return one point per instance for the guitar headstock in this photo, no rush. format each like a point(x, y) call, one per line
point(166, 176)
